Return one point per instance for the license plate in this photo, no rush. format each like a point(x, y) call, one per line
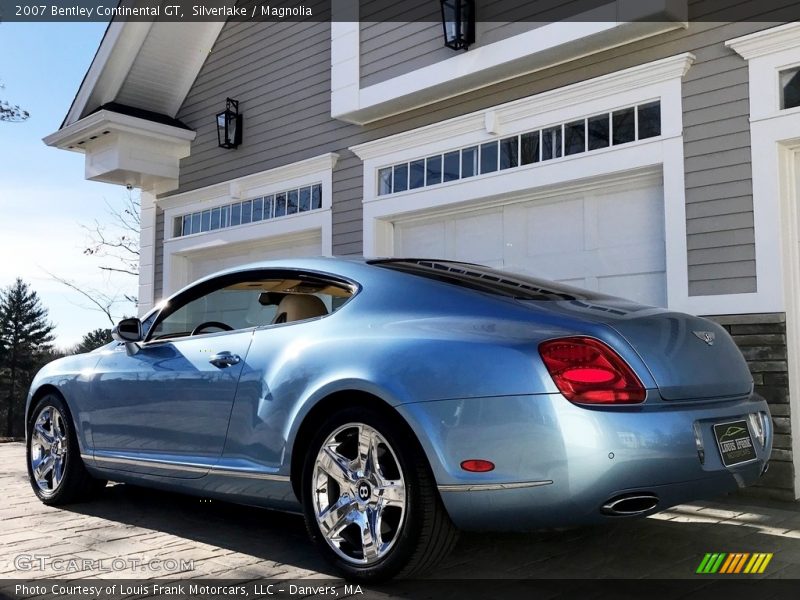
point(735, 443)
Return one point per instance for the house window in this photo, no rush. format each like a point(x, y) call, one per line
point(297, 200)
point(790, 88)
point(596, 132)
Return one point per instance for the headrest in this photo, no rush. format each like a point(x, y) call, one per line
point(296, 307)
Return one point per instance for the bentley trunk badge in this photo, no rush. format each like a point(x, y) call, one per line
point(706, 336)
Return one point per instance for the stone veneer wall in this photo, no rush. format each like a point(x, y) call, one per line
point(762, 340)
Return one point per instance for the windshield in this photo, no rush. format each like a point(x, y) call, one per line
point(485, 279)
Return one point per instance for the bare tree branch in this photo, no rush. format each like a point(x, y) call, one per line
point(101, 301)
point(118, 242)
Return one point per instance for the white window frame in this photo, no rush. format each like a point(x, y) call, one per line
point(656, 80)
point(307, 172)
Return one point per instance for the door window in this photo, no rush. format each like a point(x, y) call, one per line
point(243, 301)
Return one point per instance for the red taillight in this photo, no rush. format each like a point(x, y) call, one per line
point(587, 371)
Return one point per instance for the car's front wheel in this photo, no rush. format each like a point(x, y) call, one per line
point(55, 467)
point(370, 502)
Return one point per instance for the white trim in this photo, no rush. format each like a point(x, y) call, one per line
point(69, 137)
point(790, 212)
point(768, 52)
point(127, 150)
point(768, 41)
point(775, 155)
point(622, 88)
point(258, 184)
point(544, 47)
point(147, 250)
point(289, 228)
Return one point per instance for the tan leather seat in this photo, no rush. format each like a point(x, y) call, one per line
point(296, 307)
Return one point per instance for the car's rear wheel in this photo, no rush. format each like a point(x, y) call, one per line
point(55, 468)
point(370, 502)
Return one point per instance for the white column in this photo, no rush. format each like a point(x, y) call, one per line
point(147, 252)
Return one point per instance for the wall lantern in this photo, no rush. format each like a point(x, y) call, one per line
point(229, 125)
point(458, 20)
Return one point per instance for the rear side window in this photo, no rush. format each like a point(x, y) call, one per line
point(485, 279)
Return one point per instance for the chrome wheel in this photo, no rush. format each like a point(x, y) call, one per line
point(358, 494)
point(48, 453)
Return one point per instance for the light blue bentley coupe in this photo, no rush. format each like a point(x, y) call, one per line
point(396, 401)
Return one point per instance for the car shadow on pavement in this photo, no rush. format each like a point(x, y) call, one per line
point(278, 538)
point(257, 542)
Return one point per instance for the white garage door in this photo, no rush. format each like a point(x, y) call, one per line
point(205, 262)
point(609, 238)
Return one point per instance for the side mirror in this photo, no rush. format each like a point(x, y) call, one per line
point(128, 330)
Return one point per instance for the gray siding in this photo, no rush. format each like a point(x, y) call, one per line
point(389, 49)
point(280, 73)
point(762, 340)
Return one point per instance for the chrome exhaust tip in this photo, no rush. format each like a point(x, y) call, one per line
point(630, 505)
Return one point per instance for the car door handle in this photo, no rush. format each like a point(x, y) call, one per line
point(224, 359)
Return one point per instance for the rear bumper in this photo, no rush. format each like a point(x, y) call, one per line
point(557, 463)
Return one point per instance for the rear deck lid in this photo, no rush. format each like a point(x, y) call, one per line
point(688, 357)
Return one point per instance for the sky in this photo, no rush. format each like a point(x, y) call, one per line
point(44, 198)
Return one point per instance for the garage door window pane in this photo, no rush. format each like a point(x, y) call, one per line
point(509, 153)
point(416, 174)
point(623, 126)
point(469, 162)
point(187, 225)
point(598, 132)
point(451, 166)
point(236, 214)
point(225, 215)
point(433, 170)
point(400, 181)
point(316, 197)
point(205, 223)
point(489, 157)
point(384, 181)
point(575, 137)
point(247, 212)
point(649, 116)
point(215, 218)
point(551, 143)
point(280, 204)
point(269, 202)
point(291, 202)
point(530, 147)
point(258, 209)
point(305, 199)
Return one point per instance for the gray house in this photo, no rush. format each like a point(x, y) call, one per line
point(656, 159)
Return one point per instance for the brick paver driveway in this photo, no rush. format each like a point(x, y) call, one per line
point(227, 541)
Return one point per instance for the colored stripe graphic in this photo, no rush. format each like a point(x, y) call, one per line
point(734, 563)
point(731, 560)
point(742, 558)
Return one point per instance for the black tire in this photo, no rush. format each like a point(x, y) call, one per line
point(426, 534)
point(76, 484)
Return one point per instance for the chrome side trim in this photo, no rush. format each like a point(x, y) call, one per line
point(146, 462)
point(173, 466)
point(490, 487)
point(227, 471)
